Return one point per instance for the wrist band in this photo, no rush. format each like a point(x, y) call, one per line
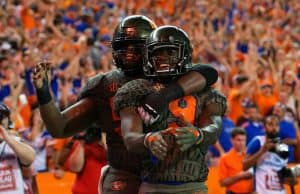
point(173, 92)
point(201, 136)
point(43, 93)
point(145, 139)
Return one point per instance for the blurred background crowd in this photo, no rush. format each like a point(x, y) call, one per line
point(254, 44)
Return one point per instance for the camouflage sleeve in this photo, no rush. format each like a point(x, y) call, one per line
point(214, 96)
point(132, 94)
point(90, 88)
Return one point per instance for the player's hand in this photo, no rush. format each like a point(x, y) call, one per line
point(188, 135)
point(41, 74)
point(156, 144)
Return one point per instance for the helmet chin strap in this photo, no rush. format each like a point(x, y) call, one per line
point(134, 72)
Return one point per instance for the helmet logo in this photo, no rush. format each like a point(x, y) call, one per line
point(182, 103)
point(130, 32)
point(118, 185)
point(171, 38)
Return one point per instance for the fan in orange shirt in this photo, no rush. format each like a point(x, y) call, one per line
point(27, 18)
point(231, 172)
point(236, 96)
point(266, 97)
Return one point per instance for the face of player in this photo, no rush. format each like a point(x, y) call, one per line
point(165, 59)
point(130, 55)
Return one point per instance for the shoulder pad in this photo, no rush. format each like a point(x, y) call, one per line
point(90, 86)
point(132, 94)
point(215, 96)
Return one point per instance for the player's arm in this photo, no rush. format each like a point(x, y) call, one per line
point(132, 130)
point(206, 134)
point(200, 77)
point(126, 101)
point(60, 124)
point(196, 80)
point(209, 125)
point(70, 121)
point(134, 138)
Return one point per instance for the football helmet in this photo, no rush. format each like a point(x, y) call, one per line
point(168, 52)
point(129, 40)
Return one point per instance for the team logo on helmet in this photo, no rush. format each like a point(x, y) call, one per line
point(130, 32)
point(118, 185)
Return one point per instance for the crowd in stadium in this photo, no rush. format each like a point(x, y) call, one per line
point(254, 45)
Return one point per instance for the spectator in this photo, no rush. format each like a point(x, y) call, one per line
point(37, 137)
point(85, 155)
point(289, 84)
point(245, 116)
point(265, 97)
point(262, 154)
point(287, 130)
point(231, 174)
point(253, 126)
point(253, 39)
point(14, 156)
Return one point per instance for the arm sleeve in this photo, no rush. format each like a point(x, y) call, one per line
point(253, 146)
point(215, 96)
point(215, 108)
point(131, 94)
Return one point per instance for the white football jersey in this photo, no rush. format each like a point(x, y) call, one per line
point(266, 177)
point(11, 180)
